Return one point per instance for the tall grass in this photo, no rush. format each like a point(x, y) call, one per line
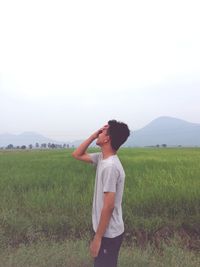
point(75, 253)
point(49, 193)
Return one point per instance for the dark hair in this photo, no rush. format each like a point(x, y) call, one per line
point(118, 132)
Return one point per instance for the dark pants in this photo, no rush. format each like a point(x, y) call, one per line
point(108, 253)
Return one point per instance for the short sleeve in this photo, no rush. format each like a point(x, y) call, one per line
point(110, 177)
point(94, 157)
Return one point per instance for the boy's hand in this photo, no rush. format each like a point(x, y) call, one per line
point(96, 134)
point(95, 247)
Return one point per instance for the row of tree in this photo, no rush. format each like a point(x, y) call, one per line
point(37, 145)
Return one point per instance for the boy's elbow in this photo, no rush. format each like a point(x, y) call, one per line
point(74, 155)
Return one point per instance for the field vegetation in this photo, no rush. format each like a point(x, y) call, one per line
point(46, 201)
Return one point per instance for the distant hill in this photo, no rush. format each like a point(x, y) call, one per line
point(163, 130)
point(166, 130)
point(25, 138)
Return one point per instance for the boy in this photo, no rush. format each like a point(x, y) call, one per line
point(107, 218)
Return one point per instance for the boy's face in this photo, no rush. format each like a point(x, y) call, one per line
point(103, 136)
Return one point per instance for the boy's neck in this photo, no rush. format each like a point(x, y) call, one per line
point(107, 153)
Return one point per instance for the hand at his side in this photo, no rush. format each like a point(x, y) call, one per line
point(95, 247)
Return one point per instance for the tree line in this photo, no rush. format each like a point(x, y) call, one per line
point(37, 145)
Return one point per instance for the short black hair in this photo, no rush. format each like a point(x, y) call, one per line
point(118, 132)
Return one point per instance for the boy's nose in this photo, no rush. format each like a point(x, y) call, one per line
point(106, 126)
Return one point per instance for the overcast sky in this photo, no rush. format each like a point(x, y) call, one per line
point(67, 67)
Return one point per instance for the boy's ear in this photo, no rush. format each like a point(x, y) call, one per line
point(107, 139)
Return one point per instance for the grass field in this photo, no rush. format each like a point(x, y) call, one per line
point(46, 200)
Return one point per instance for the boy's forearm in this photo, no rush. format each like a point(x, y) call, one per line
point(80, 150)
point(106, 214)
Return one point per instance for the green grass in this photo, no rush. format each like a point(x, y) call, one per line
point(74, 253)
point(45, 191)
point(162, 187)
point(48, 194)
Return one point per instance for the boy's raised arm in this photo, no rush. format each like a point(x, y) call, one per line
point(80, 152)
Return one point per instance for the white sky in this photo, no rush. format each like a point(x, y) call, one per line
point(67, 67)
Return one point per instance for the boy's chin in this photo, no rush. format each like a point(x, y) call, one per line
point(97, 143)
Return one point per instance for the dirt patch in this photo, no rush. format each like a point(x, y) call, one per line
point(188, 238)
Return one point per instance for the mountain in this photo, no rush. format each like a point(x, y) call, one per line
point(166, 130)
point(25, 138)
point(163, 130)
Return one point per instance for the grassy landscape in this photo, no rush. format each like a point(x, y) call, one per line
point(46, 201)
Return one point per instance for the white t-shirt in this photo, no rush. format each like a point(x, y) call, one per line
point(110, 177)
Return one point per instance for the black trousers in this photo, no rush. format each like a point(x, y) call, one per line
point(108, 253)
